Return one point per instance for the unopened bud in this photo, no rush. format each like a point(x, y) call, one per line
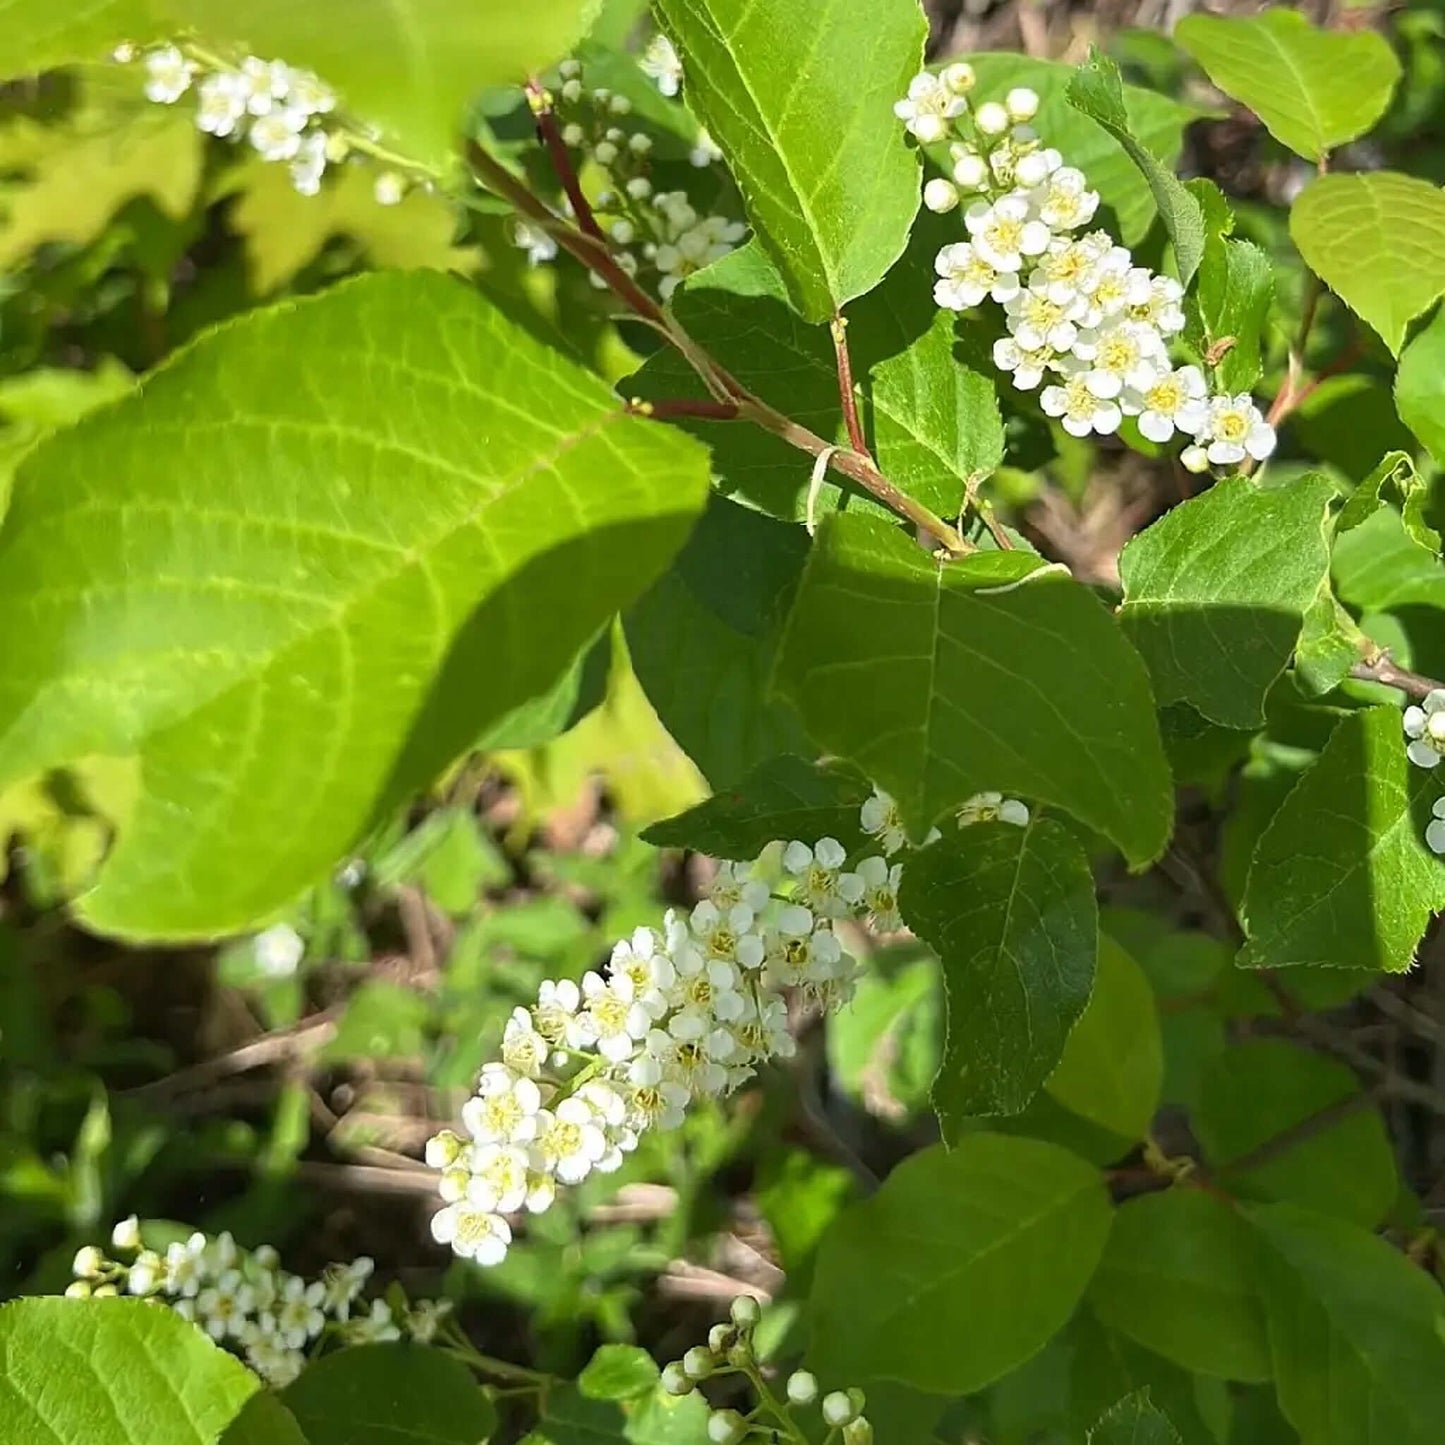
point(698, 1362)
point(675, 1380)
point(88, 1262)
point(126, 1234)
point(991, 118)
point(837, 1408)
point(802, 1387)
point(745, 1312)
point(725, 1427)
point(1022, 103)
point(958, 77)
point(940, 195)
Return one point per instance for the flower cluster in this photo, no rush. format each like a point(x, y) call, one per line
point(244, 1300)
point(730, 1351)
point(650, 230)
point(1425, 734)
point(1081, 316)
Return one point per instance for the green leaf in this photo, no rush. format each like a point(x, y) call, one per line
point(992, 672)
point(1342, 875)
point(113, 1372)
point(962, 1266)
point(1397, 471)
point(383, 1394)
point(1379, 566)
point(1097, 91)
point(1216, 590)
point(1112, 1067)
point(570, 1418)
point(885, 1048)
point(1420, 387)
point(1010, 912)
point(799, 94)
point(1313, 89)
point(1329, 644)
point(1377, 240)
point(409, 66)
point(618, 1372)
point(1333, 1154)
point(1134, 1421)
point(703, 639)
point(317, 597)
point(932, 421)
point(1156, 121)
point(785, 798)
point(37, 35)
point(1357, 1332)
point(1178, 1276)
point(1232, 295)
point(263, 1420)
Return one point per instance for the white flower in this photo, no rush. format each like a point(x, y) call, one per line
point(278, 951)
point(389, 189)
point(379, 1326)
point(265, 84)
point(222, 1254)
point(1125, 353)
point(737, 883)
point(707, 990)
point(1435, 829)
point(88, 1262)
point(939, 195)
point(425, 1319)
point(880, 819)
point(472, 1233)
point(654, 1101)
point(648, 971)
point(524, 1050)
point(958, 78)
point(310, 93)
point(929, 106)
point(728, 935)
point(310, 164)
point(221, 1310)
point(537, 243)
point(1028, 367)
point(1164, 310)
point(1113, 283)
point(993, 808)
point(570, 1141)
point(991, 118)
point(443, 1150)
point(186, 1267)
point(818, 880)
point(967, 278)
point(126, 1234)
point(705, 151)
point(276, 135)
point(1425, 727)
point(221, 102)
point(1067, 267)
point(270, 1359)
point(1172, 400)
point(970, 170)
point(617, 1020)
point(1233, 429)
point(694, 1062)
point(1038, 322)
point(168, 75)
point(505, 1108)
point(299, 1319)
point(1004, 233)
point(1021, 103)
point(1064, 202)
point(498, 1182)
point(801, 955)
point(661, 63)
point(1079, 409)
point(145, 1273)
point(343, 1284)
point(1034, 167)
point(880, 892)
point(557, 1017)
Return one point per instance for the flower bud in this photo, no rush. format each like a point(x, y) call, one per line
point(1022, 103)
point(1194, 459)
point(958, 77)
point(88, 1262)
point(802, 1387)
point(605, 153)
point(640, 144)
point(443, 1150)
point(620, 105)
point(639, 188)
point(930, 129)
point(602, 95)
point(1435, 727)
point(569, 69)
point(837, 1409)
point(719, 1338)
point(622, 231)
point(126, 1234)
point(573, 134)
point(746, 1311)
point(675, 1380)
point(991, 118)
point(725, 1427)
point(970, 170)
point(698, 1363)
point(940, 195)
point(78, 1289)
point(858, 1432)
point(572, 90)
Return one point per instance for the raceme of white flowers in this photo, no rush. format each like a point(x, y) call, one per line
point(245, 1301)
point(1084, 322)
point(1425, 744)
point(679, 1014)
point(730, 1351)
point(279, 110)
point(649, 229)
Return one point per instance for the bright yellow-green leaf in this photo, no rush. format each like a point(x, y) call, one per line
point(38, 35)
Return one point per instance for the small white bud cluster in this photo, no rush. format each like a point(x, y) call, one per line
point(1425, 745)
point(651, 230)
point(730, 1351)
point(245, 1301)
point(279, 109)
point(1077, 307)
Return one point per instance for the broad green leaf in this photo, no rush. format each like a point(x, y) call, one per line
point(1156, 121)
point(1232, 294)
point(885, 1048)
point(1097, 91)
point(113, 1372)
point(1112, 1067)
point(1215, 592)
point(384, 1394)
point(1379, 566)
point(1329, 644)
point(1314, 89)
point(38, 35)
point(315, 597)
point(1356, 1330)
point(1010, 912)
point(1178, 1276)
point(962, 1265)
point(1134, 1421)
point(932, 421)
point(570, 1418)
point(799, 94)
point(785, 798)
point(1261, 1089)
point(263, 1420)
point(618, 1372)
point(993, 672)
point(408, 66)
point(1420, 387)
point(1342, 875)
point(575, 694)
point(703, 639)
point(1395, 470)
point(1377, 240)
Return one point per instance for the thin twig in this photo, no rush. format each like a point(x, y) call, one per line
point(281, 1044)
point(667, 409)
point(838, 328)
point(1381, 667)
point(540, 102)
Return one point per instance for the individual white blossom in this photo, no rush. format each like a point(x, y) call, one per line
point(168, 75)
point(1006, 232)
point(880, 892)
point(505, 1107)
point(1079, 409)
point(928, 107)
point(879, 818)
point(1435, 828)
point(276, 134)
point(472, 1233)
point(662, 64)
point(389, 189)
point(821, 883)
point(1170, 401)
point(278, 951)
point(1425, 729)
point(966, 278)
point(310, 164)
point(379, 1325)
point(220, 104)
point(991, 807)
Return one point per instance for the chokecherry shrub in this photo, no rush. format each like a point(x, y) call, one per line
point(971, 520)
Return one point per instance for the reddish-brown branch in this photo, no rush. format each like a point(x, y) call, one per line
point(1382, 668)
point(541, 103)
point(846, 394)
point(667, 409)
